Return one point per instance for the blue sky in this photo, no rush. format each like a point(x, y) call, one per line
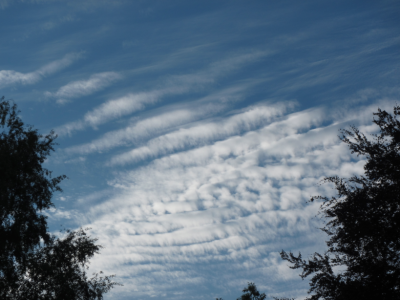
point(194, 132)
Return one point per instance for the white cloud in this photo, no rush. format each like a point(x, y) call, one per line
point(140, 130)
point(122, 106)
point(81, 88)
point(230, 204)
point(110, 110)
point(11, 77)
point(176, 115)
point(60, 213)
point(204, 133)
point(174, 85)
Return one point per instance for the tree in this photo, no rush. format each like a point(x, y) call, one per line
point(250, 293)
point(59, 269)
point(33, 263)
point(363, 222)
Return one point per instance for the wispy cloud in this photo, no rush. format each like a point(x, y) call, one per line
point(11, 77)
point(198, 168)
point(81, 88)
point(173, 85)
point(53, 24)
point(234, 197)
point(175, 115)
point(110, 110)
point(204, 133)
point(78, 5)
point(142, 129)
point(240, 199)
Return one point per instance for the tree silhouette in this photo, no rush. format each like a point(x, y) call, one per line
point(33, 263)
point(363, 222)
point(250, 293)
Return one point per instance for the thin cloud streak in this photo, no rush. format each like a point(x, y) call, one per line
point(11, 77)
point(204, 133)
point(174, 85)
point(110, 110)
point(142, 129)
point(177, 115)
point(81, 88)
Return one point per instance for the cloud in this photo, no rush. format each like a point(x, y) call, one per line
point(211, 194)
point(176, 115)
point(173, 85)
point(11, 77)
point(51, 25)
point(231, 202)
point(122, 106)
point(110, 110)
point(142, 129)
point(204, 133)
point(81, 88)
point(78, 5)
point(61, 213)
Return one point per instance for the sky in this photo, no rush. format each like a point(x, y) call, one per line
point(193, 133)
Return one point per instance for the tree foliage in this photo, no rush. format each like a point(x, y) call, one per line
point(363, 222)
point(250, 293)
point(33, 263)
point(58, 268)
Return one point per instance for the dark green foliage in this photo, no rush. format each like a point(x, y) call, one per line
point(250, 293)
point(59, 269)
point(34, 264)
point(363, 222)
point(25, 189)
